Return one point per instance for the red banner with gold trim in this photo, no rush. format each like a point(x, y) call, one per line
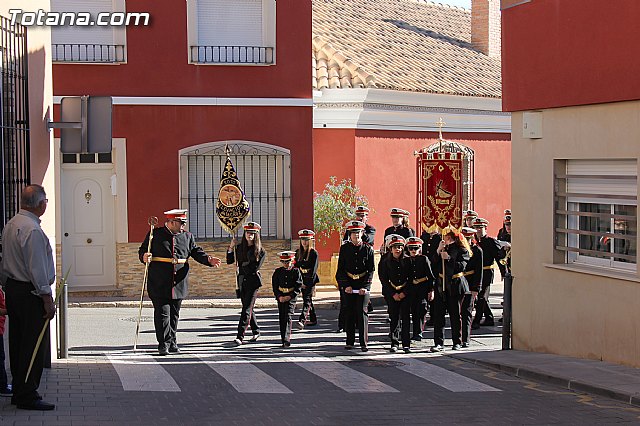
point(439, 191)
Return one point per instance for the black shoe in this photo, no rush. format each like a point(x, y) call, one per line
point(437, 348)
point(38, 398)
point(465, 344)
point(393, 349)
point(349, 347)
point(162, 350)
point(406, 349)
point(364, 348)
point(38, 405)
point(6, 391)
point(174, 349)
point(255, 336)
point(286, 345)
point(456, 347)
point(475, 326)
point(369, 309)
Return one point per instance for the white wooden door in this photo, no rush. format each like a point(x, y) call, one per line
point(88, 237)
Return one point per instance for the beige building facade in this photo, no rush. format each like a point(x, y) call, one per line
point(576, 280)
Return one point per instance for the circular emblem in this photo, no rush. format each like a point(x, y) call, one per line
point(230, 196)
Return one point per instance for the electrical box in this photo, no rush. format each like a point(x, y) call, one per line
point(532, 125)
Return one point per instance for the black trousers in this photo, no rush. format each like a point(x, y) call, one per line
point(453, 304)
point(308, 311)
point(343, 310)
point(3, 372)
point(285, 316)
point(467, 313)
point(26, 321)
point(418, 308)
point(356, 312)
point(399, 312)
point(482, 306)
point(247, 318)
point(165, 319)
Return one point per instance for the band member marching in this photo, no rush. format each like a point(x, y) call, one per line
point(469, 217)
point(248, 256)
point(473, 273)
point(354, 275)
point(392, 271)
point(420, 281)
point(399, 226)
point(450, 290)
point(490, 254)
point(286, 282)
point(368, 237)
point(307, 262)
point(168, 282)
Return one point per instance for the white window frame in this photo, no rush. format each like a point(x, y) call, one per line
point(607, 184)
point(268, 34)
point(119, 39)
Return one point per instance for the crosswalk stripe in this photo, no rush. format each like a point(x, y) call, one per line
point(443, 377)
point(344, 377)
point(143, 373)
point(247, 378)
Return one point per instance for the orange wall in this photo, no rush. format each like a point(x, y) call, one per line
point(333, 155)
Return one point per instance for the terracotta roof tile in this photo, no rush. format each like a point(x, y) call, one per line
point(408, 45)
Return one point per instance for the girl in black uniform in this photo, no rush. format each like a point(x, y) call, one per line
point(420, 281)
point(307, 262)
point(248, 256)
point(286, 283)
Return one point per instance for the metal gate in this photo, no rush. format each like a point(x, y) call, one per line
point(14, 121)
point(265, 175)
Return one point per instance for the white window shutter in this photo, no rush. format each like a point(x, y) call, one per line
point(591, 179)
point(100, 35)
point(230, 23)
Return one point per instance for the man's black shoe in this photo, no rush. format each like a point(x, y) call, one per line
point(162, 350)
point(364, 348)
point(174, 349)
point(456, 347)
point(465, 344)
point(37, 405)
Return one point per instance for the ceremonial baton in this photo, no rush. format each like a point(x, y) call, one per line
point(153, 221)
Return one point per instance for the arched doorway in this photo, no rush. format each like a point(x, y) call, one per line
point(265, 175)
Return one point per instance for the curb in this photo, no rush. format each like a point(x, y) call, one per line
point(570, 384)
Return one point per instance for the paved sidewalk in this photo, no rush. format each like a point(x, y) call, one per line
point(596, 377)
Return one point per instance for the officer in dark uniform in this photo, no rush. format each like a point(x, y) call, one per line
point(450, 289)
point(393, 276)
point(307, 262)
point(430, 243)
point(503, 233)
point(473, 273)
point(420, 280)
point(286, 282)
point(504, 236)
point(168, 282)
point(354, 275)
point(490, 254)
point(399, 225)
point(362, 214)
point(469, 217)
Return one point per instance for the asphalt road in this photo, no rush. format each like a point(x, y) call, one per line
point(316, 381)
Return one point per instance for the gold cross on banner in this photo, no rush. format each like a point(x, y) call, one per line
point(440, 123)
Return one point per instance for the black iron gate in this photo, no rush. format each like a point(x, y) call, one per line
point(14, 121)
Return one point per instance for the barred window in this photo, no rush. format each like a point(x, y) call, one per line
point(596, 212)
point(264, 172)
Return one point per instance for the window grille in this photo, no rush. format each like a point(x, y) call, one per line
point(596, 212)
point(14, 121)
point(264, 174)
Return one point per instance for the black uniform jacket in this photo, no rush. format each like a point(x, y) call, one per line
point(355, 266)
point(419, 273)
point(249, 270)
point(400, 230)
point(170, 280)
point(368, 237)
point(430, 244)
point(286, 282)
point(491, 252)
point(473, 272)
point(393, 276)
point(455, 283)
point(308, 268)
